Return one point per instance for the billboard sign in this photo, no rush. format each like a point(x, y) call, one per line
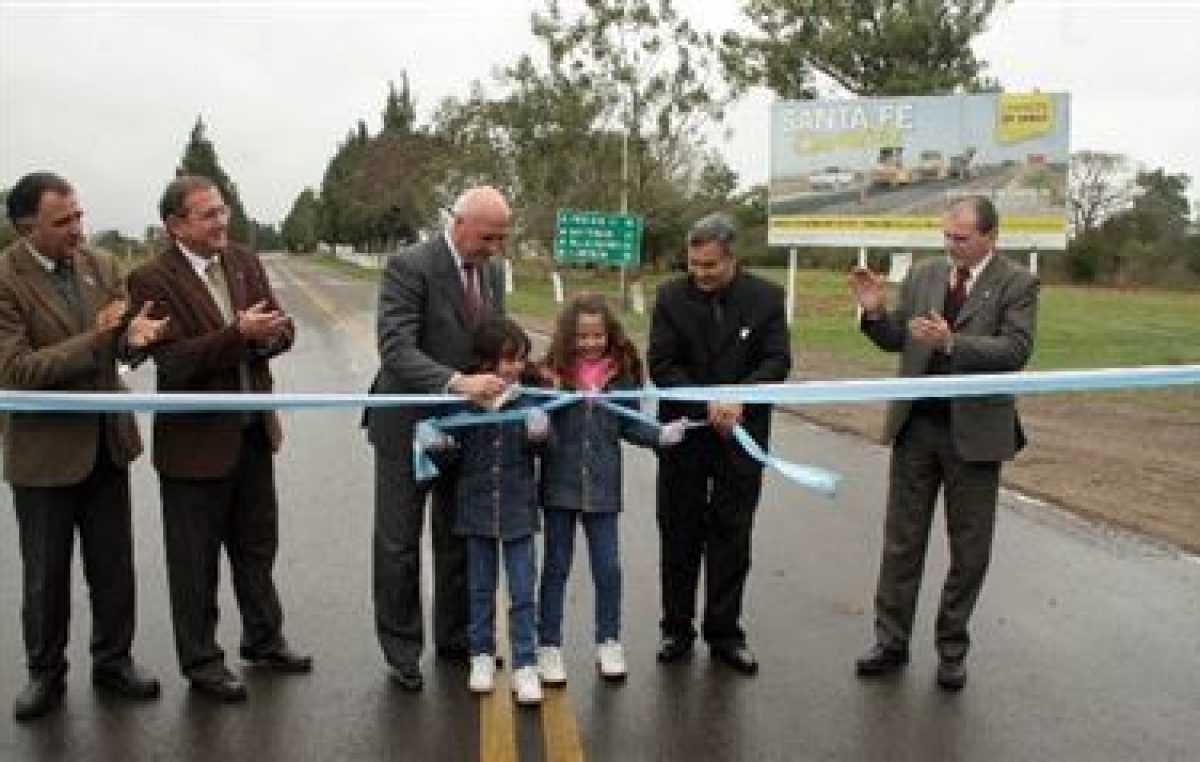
point(881, 171)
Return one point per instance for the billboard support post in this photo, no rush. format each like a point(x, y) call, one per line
point(791, 286)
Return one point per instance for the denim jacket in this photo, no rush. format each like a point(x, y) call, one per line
point(581, 466)
point(495, 482)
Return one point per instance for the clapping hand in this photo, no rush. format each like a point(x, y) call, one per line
point(144, 330)
point(868, 288)
point(259, 322)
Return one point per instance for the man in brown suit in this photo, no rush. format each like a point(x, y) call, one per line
point(62, 311)
point(215, 468)
point(972, 311)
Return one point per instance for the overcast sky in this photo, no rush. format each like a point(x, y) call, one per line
point(105, 93)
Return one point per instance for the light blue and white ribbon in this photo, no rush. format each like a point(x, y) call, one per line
point(800, 393)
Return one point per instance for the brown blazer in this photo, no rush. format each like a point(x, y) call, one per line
point(201, 353)
point(46, 345)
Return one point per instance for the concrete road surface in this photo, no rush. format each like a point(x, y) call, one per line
point(1086, 643)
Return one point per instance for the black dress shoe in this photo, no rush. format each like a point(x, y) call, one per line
point(880, 660)
point(951, 674)
point(738, 657)
point(40, 696)
point(673, 648)
point(282, 659)
point(127, 680)
point(223, 686)
point(408, 677)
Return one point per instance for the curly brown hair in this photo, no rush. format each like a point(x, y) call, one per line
point(561, 357)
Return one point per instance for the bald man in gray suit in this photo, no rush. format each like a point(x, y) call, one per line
point(971, 312)
point(431, 298)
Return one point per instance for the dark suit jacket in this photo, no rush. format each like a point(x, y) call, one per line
point(423, 333)
point(994, 333)
point(750, 345)
point(201, 353)
point(45, 345)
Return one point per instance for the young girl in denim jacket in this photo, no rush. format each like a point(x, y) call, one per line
point(581, 475)
point(496, 510)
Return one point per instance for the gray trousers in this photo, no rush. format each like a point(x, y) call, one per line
point(924, 461)
point(399, 522)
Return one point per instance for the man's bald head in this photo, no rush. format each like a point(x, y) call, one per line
point(480, 224)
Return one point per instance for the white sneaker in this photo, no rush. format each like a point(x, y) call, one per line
point(611, 659)
point(527, 686)
point(483, 673)
point(550, 665)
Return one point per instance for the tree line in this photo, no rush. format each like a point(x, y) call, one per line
point(612, 110)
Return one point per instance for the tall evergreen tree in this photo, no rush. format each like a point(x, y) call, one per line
point(399, 112)
point(301, 227)
point(200, 158)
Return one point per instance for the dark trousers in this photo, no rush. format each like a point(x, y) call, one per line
point(924, 460)
point(47, 518)
point(399, 522)
point(239, 512)
point(706, 507)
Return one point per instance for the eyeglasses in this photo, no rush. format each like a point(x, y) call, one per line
point(210, 215)
point(953, 238)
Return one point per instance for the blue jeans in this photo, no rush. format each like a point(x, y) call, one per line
point(482, 571)
point(604, 554)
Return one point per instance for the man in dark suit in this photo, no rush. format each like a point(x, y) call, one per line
point(718, 325)
point(62, 306)
point(431, 297)
point(971, 312)
point(215, 468)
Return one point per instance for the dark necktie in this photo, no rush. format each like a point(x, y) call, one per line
point(957, 295)
point(716, 307)
point(471, 296)
point(64, 281)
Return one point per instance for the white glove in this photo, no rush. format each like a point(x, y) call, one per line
point(432, 438)
point(537, 424)
point(671, 434)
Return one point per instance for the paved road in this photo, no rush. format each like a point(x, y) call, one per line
point(1086, 639)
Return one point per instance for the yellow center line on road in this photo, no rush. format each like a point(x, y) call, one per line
point(497, 721)
point(560, 731)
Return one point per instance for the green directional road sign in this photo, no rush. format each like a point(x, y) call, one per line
point(599, 237)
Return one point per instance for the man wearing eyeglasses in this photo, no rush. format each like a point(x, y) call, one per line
point(215, 468)
point(970, 312)
point(63, 326)
point(431, 298)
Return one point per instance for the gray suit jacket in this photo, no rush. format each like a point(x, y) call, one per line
point(47, 346)
point(994, 333)
point(423, 334)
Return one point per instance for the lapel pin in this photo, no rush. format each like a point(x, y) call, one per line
point(88, 280)
point(744, 332)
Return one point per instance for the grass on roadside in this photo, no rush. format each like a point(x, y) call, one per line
point(1078, 327)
